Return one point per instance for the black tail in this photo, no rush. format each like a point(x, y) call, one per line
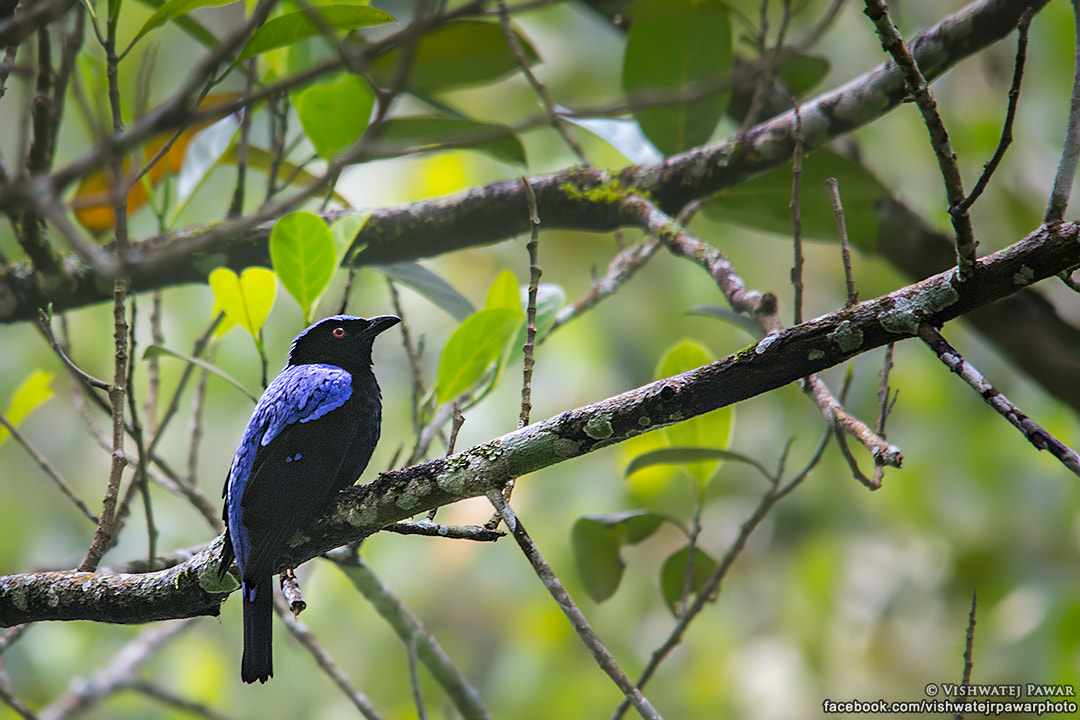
point(258, 662)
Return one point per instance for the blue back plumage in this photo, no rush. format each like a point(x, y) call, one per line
point(301, 393)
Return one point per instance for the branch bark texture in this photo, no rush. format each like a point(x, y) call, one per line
point(191, 588)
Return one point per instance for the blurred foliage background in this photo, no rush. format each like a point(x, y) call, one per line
point(840, 594)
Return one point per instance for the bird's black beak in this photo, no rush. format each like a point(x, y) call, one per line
point(381, 323)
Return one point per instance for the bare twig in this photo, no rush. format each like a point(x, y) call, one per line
point(1036, 435)
point(45, 325)
point(1010, 113)
point(414, 678)
point(884, 403)
point(621, 268)
point(534, 284)
point(893, 44)
point(556, 121)
point(93, 689)
point(711, 587)
point(601, 654)
point(1070, 149)
point(762, 308)
point(796, 218)
point(48, 468)
point(410, 630)
point(324, 660)
point(969, 641)
point(477, 533)
point(411, 353)
point(845, 247)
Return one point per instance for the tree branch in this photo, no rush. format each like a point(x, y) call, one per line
point(192, 588)
point(580, 199)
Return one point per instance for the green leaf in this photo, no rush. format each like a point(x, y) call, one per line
point(688, 455)
point(304, 256)
point(673, 576)
point(171, 10)
point(475, 346)
point(597, 541)
point(503, 293)
point(711, 430)
point(431, 286)
point(189, 25)
point(455, 55)
point(801, 73)
point(762, 202)
point(157, 351)
point(335, 114)
point(247, 299)
point(433, 131)
point(345, 229)
point(679, 48)
point(596, 553)
point(30, 395)
point(291, 28)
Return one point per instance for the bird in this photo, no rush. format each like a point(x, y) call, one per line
point(310, 436)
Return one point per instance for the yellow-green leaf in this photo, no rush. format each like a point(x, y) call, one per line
point(503, 293)
point(28, 397)
point(711, 430)
point(246, 299)
point(475, 346)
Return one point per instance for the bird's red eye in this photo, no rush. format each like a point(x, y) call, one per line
point(338, 332)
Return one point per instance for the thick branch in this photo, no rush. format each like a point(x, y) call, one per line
point(580, 199)
point(191, 588)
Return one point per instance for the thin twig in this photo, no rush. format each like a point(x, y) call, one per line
point(1070, 148)
point(464, 697)
point(411, 353)
point(48, 467)
point(762, 307)
point(1036, 435)
point(796, 218)
point(171, 699)
point(556, 121)
point(621, 268)
point(84, 694)
point(893, 44)
point(45, 325)
point(969, 641)
point(534, 284)
point(833, 187)
point(324, 660)
point(554, 586)
point(477, 533)
point(1010, 113)
point(140, 478)
point(711, 587)
point(414, 678)
point(884, 403)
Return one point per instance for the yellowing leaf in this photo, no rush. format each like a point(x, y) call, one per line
point(247, 299)
point(28, 397)
point(93, 201)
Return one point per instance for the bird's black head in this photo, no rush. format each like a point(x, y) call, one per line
point(342, 340)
